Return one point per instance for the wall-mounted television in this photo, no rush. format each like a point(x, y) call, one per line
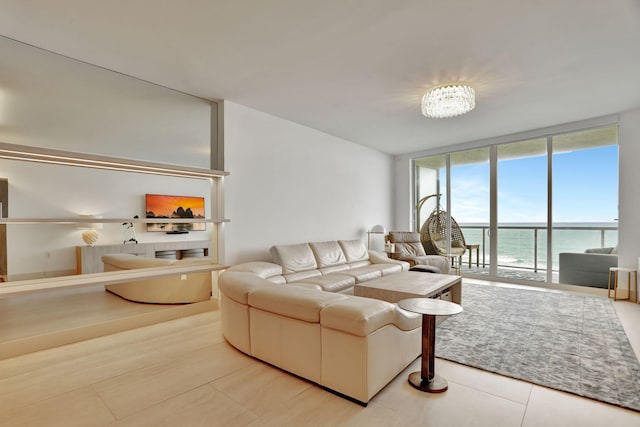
point(164, 206)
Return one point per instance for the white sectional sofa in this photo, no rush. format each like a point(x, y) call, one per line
point(299, 316)
point(334, 266)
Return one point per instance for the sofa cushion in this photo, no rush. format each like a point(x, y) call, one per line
point(383, 258)
point(280, 280)
point(259, 268)
point(332, 282)
point(407, 243)
point(334, 268)
point(387, 269)
point(294, 258)
point(410, 249)
point(293, 301)
point(354, 250)
point(296, 277)
point(403, 236)
point(328, 254)
point(362, 274)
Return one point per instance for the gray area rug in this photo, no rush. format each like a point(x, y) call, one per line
point(567, 342)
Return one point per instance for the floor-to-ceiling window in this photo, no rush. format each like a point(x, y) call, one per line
point(509, 196)
point(470, 202)
point(522, 209)
point(431, 180)
point(585, 191)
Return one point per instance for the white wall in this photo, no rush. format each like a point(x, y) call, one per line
point(629, 194)
point(292, 184)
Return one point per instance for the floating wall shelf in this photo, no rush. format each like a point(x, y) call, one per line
point(111, 220)
point(70, 158)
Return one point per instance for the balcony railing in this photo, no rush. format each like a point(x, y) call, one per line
point(583, 237)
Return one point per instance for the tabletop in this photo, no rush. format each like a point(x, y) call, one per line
point(431, 306)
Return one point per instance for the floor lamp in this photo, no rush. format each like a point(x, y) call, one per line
point(376, 229)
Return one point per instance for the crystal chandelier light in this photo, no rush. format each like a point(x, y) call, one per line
point(448, 101)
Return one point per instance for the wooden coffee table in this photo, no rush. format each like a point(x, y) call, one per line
point(426, 379)
point(411, 284)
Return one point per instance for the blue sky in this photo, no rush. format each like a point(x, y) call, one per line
point(585, 188)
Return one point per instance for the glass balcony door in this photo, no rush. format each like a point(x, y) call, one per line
point(522, 210)
point(507, 197)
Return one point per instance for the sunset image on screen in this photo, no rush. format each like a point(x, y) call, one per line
point(163, 206)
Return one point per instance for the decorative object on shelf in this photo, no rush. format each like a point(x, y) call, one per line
point(448, 101)
point(129, 233)
point(376, 229)
point(90, 235)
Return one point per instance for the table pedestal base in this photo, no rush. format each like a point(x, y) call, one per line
point(436, 385)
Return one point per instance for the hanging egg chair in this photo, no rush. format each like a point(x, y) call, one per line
point(433, 232)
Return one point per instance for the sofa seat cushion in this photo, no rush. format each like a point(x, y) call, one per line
point(302, 275)
point(441, 262)
point(294, 258)
point(383, 258)
point(387, 269)
point(328, 254)
point(361, 316)
point(332, 282)
point(293, 301)
point(334, 269)
point(364, 273)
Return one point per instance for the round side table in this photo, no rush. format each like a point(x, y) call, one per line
point(426, 379)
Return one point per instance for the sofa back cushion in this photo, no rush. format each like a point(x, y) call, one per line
point(404, 237)
point(407, 244)
point(354, 250)
point(328, 254)
point(294, 258)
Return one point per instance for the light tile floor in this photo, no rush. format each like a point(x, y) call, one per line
point(183, 373)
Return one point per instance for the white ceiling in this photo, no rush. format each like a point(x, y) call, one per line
point(358, 69)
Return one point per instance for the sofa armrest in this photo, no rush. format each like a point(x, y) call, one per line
point(259, 268)
point(236, 285)
point(361, 316)
point(382, 258)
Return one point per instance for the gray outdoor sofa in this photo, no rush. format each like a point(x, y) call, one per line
point(590, 268)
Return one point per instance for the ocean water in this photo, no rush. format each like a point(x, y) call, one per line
point(516, 242)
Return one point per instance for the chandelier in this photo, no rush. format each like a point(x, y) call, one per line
point(448, 101)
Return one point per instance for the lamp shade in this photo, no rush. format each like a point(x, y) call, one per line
point(378, 229)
